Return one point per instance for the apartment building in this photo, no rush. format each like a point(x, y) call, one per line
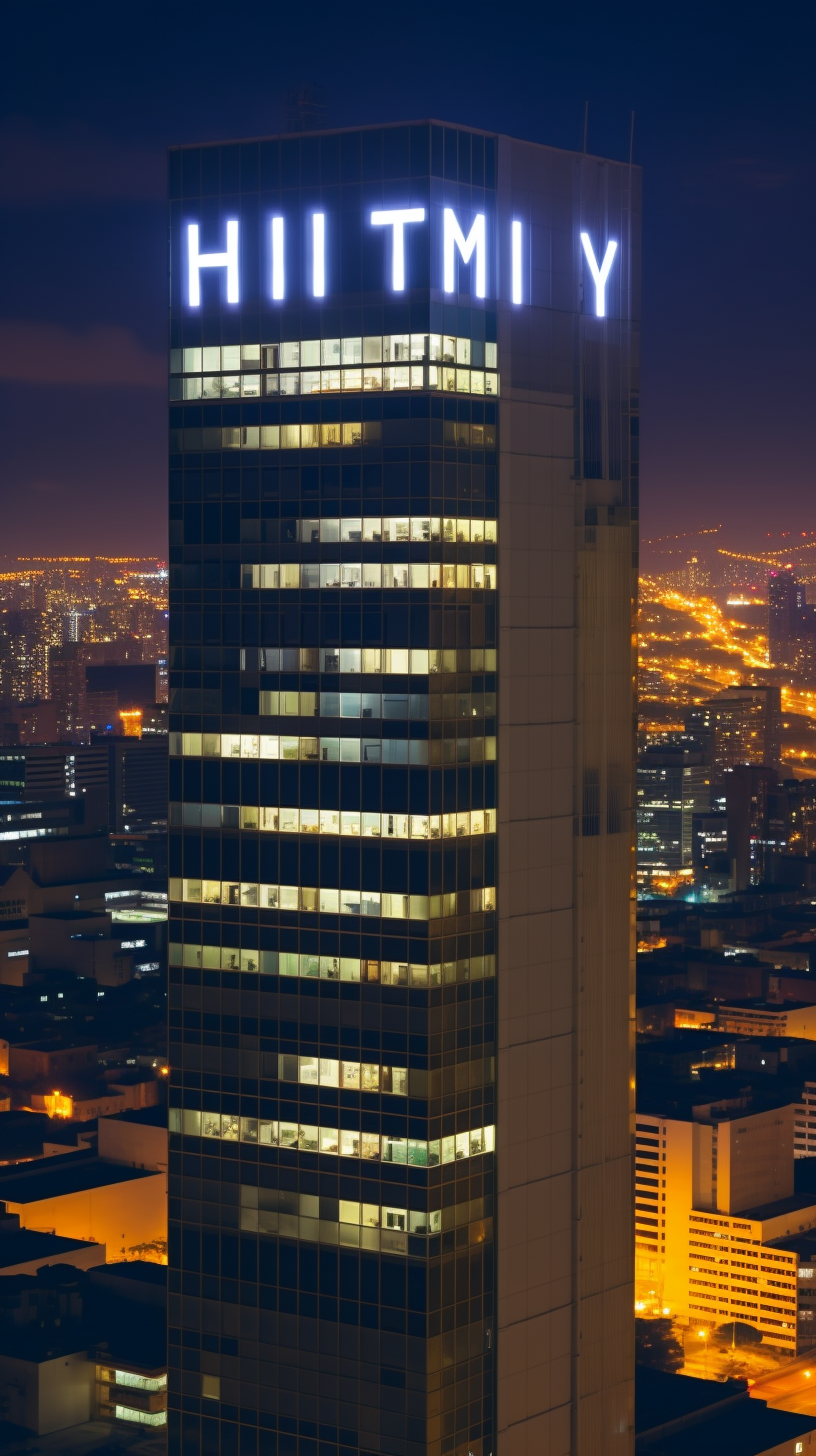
point(713, 1196)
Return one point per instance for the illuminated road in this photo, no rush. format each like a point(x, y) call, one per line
point(690, 648)
point(791, 1391)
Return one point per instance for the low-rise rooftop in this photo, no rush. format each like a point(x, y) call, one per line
point(54, 1177)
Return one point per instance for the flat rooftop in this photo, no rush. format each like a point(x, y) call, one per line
point(763, 1007)
point(21, 1246)
point(133, 1271)
point(708, 1097)
point(155, 1116)
point(54, 1177)
point(780, 1208)
point(679, 1414)
point(661, 1397)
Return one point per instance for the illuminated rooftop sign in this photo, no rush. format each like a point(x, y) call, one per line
point(464, 245)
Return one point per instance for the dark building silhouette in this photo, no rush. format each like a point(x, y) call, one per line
point(791, 624)
point(742, 724)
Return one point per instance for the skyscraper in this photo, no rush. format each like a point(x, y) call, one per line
point(673, 785)
point(742, 724)
point(782, 617)
point(403, 483)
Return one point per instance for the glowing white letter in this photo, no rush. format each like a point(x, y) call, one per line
point(601, 274)
point(516, 261)
point(318, 254)
point(196, 261)
point(397, 217)
point(475, 239)
point(277, 257)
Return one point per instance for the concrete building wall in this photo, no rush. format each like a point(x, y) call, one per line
point(565, 898)
point(604, 984)
point(799, 1021)
point(30, 1063)
point(49, 1396)
point(536, 947)
point(118, 1215)
point(136, 1144)
point(755, 1160)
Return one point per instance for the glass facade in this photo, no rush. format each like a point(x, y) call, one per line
point(334, 678)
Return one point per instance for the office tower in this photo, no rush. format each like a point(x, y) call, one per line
point(673, 784)
point(23, 656)
point(782, 617)
point(138, 783)
point(68, 690)
point(791, 625)
point(715, 1214)
point(403, 481)
point(740, 725)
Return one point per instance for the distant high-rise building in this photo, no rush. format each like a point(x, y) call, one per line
point(68, 691)
point(791, 625)
point(403, 481)
point(138, 779)
point(673, 784)
point(740, 725)
point(782, 613)
point(749, 803)
point(24, 653)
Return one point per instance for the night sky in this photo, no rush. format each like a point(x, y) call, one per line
point(91, 95)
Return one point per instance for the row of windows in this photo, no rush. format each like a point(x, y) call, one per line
point(340, 1143)
point(140, 1417)
point(354, 823)
point(332, 902)
point(376, 529)
point(312, 1071)
point(447, 378)
point(392, 705)
point(381, 576)
point(416, 751)
point(435, 708)
point(390, 1238)
point(331, 436)
point(387, 661)
point(265, 1201)
point(332, 968)
point(350, 1076)
point(446, 712)
point(384, 662)
point(334, 353)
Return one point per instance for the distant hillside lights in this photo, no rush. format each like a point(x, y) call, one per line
point(456, 247)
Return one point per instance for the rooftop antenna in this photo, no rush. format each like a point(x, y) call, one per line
point(586, 124)
point(631, 137)
point(305, 108)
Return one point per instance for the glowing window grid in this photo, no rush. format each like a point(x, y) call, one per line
point(305, 367)
point(349, 434)
point(418, 751)
point(351, 823)
point(338, 1142)
point(387, 529)
point(370, 575)
point(330, 901)
point(331, 968)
